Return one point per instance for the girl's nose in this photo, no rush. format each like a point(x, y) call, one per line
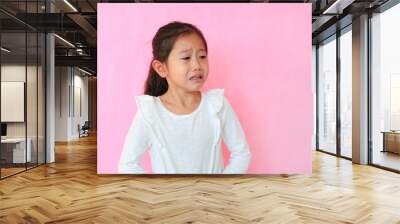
point(196, 62)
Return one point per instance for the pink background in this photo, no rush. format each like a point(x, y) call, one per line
point(259, 53)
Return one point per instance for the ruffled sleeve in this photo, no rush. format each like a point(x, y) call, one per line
point(215, 99)
point(138, 138)
point(137, 141)
point(145, 104)
point(232, 133)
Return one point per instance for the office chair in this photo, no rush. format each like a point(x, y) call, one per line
point(84, 130)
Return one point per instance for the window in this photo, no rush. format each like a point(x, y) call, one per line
point(327, 95)
point(346, 93)
point(385, 88)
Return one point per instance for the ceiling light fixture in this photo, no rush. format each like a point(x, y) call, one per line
point(5, 49)
point(64, 40)
point(338, 6)
point(70, 5)
point(86, 72)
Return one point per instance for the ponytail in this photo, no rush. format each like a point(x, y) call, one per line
point(155, 84)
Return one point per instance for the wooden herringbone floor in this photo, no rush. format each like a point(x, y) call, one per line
point(70, 191)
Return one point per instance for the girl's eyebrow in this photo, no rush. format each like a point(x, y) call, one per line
point(202, 49)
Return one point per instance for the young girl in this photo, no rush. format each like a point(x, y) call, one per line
point(182, 126)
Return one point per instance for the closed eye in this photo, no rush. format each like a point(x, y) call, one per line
point(186, 58)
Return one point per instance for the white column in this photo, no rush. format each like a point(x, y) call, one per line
point(50, 100)
point(50, 91)
point(360, 90)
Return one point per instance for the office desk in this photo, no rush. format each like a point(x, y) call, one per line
point(15, 148)
point(391, 141)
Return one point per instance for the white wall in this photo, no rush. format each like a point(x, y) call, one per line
point(62, 81)
point(71, 93)
point(15, 72)
point(33, 127)
point(12, 73)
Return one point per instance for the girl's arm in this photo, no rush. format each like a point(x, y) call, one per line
point(136, 143)
point(235, 139)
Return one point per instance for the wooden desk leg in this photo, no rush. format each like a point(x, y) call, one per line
point(384, 142)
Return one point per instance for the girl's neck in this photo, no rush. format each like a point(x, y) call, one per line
point(180, 98)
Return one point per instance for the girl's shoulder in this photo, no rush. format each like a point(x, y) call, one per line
point(146, 104)
point(215, 99)
point(145, 101)
point(215, 96)
point(144, 98)
point(215, 93)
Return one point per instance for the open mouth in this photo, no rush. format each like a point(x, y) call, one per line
point(196, 78)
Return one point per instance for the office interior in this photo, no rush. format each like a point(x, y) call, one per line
point(49, 74)
point(48, 81)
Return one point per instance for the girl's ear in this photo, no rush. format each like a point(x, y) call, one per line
point(159, 68)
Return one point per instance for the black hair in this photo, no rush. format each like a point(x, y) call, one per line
point(162, 44)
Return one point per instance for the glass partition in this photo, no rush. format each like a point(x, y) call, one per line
point(13, 108)
point(22, 77)
point(327, 95)
point(31, 100)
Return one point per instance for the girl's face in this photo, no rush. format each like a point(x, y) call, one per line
point(186, 67)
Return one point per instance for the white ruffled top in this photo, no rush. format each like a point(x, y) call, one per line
point(185, 144)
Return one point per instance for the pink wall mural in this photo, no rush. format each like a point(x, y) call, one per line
point(259, 53)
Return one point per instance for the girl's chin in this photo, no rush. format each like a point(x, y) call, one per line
point(195, 87)
point(196, 83)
